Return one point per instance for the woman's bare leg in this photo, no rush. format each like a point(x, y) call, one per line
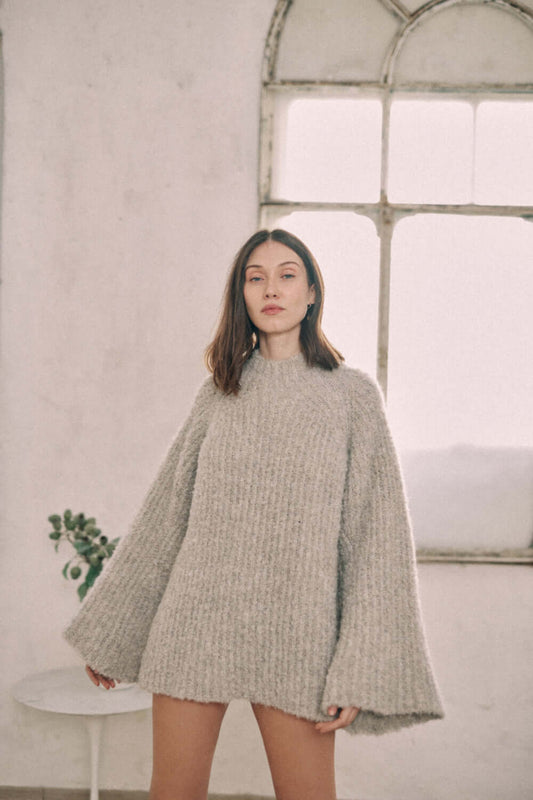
point(185, 734)
point(301, 759)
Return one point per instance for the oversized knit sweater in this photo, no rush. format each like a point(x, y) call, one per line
point(272, 558)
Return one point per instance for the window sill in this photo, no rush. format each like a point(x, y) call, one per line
point(522, 555)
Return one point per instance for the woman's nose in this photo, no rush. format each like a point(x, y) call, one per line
point(270, 290)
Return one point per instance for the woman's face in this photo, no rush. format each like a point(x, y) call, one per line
point(275, 276)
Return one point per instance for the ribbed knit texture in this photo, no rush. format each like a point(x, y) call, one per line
point(272, 559)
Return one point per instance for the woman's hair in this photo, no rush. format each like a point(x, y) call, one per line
point(236, 336)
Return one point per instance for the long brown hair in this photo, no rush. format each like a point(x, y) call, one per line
point(236, 335)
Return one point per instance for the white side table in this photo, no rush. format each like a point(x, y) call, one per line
point(69, 690)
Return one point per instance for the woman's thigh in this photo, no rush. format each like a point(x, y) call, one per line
point(185, 733)
point(301, 759)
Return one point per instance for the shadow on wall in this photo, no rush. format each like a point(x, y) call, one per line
point(468, 496)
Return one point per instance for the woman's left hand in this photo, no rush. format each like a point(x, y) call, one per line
point(347, 715)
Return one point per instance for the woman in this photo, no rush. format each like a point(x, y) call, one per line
point(273, 556)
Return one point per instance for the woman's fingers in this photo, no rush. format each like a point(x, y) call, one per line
point(91, 675)
point(346, 717)
point(97, 678)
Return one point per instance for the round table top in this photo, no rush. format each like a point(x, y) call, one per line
point(69, 690)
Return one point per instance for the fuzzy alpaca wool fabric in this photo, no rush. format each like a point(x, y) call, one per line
point(273, 558)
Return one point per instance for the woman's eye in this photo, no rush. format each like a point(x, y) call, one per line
point(258, 277)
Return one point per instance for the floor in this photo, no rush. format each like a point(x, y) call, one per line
point(27, 793)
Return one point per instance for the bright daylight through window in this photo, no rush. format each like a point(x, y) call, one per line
point(418, 203)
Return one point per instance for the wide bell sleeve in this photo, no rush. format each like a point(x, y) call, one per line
point(111, 628)
point(381, 662)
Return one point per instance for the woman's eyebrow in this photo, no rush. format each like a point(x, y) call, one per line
point(283, 264)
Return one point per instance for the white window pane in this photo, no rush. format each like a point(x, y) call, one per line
point(468, 43)
point(504, 153)
point(460, 330)
point(329, 150)
point(461, 377)
point(339, 40)
point(346, 248)
point(430, 151)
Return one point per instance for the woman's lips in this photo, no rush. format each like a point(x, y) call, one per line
point(272, 310)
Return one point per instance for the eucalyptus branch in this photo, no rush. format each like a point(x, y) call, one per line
point(91, 546)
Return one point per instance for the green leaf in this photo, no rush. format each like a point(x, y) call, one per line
point(54, 518)
point(67, 514)
point(65, 568)
point(75, 573)
point(82, 590)
point(83, 547)
point(92, 574)
point(57, 524)
point(54, 535)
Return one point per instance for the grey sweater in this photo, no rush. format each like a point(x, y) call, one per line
point(272, 558)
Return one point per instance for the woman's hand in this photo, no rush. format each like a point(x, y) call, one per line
point(97, 678)
point(347, 715)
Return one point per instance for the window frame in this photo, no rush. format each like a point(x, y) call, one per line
point(384, 214)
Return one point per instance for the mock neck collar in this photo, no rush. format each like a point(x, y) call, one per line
point(272, 367)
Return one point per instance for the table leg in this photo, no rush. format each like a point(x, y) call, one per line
point(95, 725)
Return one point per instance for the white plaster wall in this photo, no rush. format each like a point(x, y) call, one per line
point(129, 180)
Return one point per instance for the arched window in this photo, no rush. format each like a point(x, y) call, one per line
point(397, 140)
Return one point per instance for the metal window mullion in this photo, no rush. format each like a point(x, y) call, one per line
point(385, 226)
point(403, 209)
point(351, 88)
point(270, 54)
point(368, 209)
point(385, 229)
point(397, 9)
point(266, 143)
